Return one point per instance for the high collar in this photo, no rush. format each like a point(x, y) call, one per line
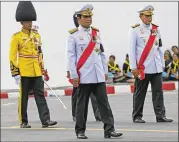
point(84, 29)
point(144, 25)
point(26, 31)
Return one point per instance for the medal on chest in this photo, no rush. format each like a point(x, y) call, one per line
point(154, 32)
point(142, 31)
point(81, 36)
point(36, 42)
point(97, 49)
point(95, 38)
point(82, 48)
point(144, 40)
point(156, 42)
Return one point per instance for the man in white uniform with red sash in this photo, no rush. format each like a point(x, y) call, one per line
point(88, 70)
point(147, 63)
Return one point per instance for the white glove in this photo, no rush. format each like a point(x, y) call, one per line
point(43, 78)
point(17, 79)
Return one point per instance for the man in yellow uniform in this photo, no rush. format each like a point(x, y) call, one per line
point(27, 66)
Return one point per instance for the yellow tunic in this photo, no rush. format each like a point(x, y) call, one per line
point(24, 56)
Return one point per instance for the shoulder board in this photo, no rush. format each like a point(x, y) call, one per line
point(154, 24)
point(17, 33)
point(73, 30)
point(136, 25)
point(95, 28)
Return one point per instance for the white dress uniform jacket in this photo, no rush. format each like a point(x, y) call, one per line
point(138, 37)
point(95, 68)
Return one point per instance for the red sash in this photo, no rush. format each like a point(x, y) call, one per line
point(70, 80)
point(87, 52)
point(145, 53)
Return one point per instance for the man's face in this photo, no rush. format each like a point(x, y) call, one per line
point(146, 19)
point(27, 25)
point(127, 58)
point(85, 21)
point(111, 60)
point(175, 58)
point(175, 50)
point(166, 57)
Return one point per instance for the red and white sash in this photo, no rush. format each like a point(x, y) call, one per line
point(145, 53)
point(87, 52)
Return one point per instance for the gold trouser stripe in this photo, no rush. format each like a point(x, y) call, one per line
point(20, 104)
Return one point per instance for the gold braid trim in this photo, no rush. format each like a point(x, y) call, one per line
point(14, 69)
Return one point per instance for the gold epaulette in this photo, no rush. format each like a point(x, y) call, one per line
point(16, 33)
point(136, 25)
point(73, 30)
point(154, 24)
point(95, 28)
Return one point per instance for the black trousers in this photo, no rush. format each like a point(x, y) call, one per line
point(37, 84)
point(73, 100)
point(140, 91)
point(93, 102)
point(83, 93)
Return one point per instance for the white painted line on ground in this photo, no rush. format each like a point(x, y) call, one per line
point(8, 104)
point(122, 89)
point(58, 92)
point(53, 99)
point(13, 95)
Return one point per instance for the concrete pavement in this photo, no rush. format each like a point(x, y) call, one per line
point(121, 105)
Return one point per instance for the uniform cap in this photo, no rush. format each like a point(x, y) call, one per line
point(148, 10)
point(86, 10)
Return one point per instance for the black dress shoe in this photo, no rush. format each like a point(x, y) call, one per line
point(112, 134)
point(25, 125)
point(138, 120)
point(48, 123)
point(164, 119)
point(98, 119)
point(81, 136)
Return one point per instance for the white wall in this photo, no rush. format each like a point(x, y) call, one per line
point(55, 19)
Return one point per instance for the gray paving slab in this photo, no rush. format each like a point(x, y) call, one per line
point(121, 105)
